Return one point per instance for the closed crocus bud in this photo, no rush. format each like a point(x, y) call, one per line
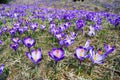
point(35, 56)
point(0, 32)
point(56, 54)
point(0, 42)
point(14, 46)
point(91, 31)
point(29, 42)
point(2, 68)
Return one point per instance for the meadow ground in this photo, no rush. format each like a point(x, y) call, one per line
point(19, 67)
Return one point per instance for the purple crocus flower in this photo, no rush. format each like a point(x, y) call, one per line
point(108, 48)
point(99, 56)
point(2, 68)
point(21, 30)
point(80, 23)
point(14, 46)
point(4, 29)
point(68, 41)
point(34, 26)
point(62, 28)
point(16, 40)
point(42, 27)
point(29, 42)
point(0, 32)
point(12, 32)
point(16, 25)
point(0, 42)
point(92, 31)
point(81, 52)
point(56, 54)
point(25, 28)
point(97, 27)
point(35, 56)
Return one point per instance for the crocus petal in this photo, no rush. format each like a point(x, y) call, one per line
point(0, 42)
point(2, 68)
point(87, 44)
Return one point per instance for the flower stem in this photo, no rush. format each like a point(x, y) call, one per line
point(91, 69)
point(36, 68)
point(55, 67)
point(79, 68)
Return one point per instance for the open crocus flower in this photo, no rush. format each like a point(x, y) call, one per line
point(56, 54)
point(42, 27)
point(99, 56)
point(2, 68)
point(12, 32)
point(16, 40)
point(34, 26)
point(81, 52)
point(92, 31)
point(14, 46)
point(35, 56)
point(29, 42)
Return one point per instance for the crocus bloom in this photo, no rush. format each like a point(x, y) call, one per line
point(16, 40)
point(14, 46)
point(80, 23)
point(56, 54)
point(98, 27)
point(2, 68)
point(29, 42)
point(108, 48)
point(21, 30)
point(42, 27)
point(16, 25)
point(81, 52)
point(4, 29)
point(92, 31)
point(0, 42)
point(34, 26)
point(99, 56)
point(35, 56)
point(0, 32)
point(68, 41)
point(12, 32)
